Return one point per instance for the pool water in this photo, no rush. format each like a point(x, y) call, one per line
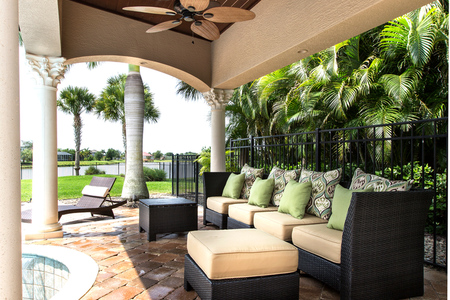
point(57, 273)
point(42, 277)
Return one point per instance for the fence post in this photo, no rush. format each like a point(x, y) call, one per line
point(171, 169)
point(178, 175)
point(196, 178)
point(318, 149)
point(252, 153)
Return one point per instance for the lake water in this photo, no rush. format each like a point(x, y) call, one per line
point(115, 169)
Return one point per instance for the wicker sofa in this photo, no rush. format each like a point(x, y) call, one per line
point(381, 250)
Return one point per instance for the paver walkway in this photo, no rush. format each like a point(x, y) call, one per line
point(130, 267)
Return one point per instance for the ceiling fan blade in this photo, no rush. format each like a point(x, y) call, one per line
point(151, 10)
point(228, 15)
point(206, 29)
point(213, 4)
point(164, 26)
point(195, 5)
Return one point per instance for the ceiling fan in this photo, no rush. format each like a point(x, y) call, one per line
point(202, 14)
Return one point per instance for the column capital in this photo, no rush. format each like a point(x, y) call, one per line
point(46, 70)
point(218, 98)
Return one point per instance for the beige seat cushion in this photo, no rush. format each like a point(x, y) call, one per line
point(281, 225)
point(319, 240)
point(239, 253)
point(220, 204)
point(244, 212)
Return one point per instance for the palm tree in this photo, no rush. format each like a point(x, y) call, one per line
point(128, 100)
point(111, 104)
point(134, 186)
point(75, 101)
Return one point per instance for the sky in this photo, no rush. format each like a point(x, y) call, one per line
point(182, 126)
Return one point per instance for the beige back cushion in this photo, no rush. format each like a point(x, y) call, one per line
point(96, 191)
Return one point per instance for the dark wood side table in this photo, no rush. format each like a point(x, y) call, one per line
point(166, 215)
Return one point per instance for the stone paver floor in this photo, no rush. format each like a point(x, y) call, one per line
point(130, 267)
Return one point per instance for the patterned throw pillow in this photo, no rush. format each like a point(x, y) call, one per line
point(250, 176)
point(281, 177)
point(363, 180)
point(323, 186)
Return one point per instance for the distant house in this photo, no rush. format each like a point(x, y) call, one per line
point(64, 156)
point(147, 156)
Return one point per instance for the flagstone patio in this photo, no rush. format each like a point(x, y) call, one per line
point(130, 267)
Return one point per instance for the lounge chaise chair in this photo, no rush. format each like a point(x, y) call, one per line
point(94, 200)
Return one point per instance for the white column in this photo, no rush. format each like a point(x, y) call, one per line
point(10, 225)
point(47, 72)
point(218, 100)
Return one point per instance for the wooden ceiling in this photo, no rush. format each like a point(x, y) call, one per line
point(115, 6)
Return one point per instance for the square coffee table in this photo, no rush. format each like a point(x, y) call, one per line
point(166, 215)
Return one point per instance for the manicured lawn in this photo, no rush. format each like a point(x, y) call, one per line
point(71, 186)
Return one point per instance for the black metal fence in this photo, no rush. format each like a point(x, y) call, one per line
point(411, 150)
point(186, 181)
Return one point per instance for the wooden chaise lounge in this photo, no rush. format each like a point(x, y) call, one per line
point(94, 200)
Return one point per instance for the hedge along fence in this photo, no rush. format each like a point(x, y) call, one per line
point(410, 150)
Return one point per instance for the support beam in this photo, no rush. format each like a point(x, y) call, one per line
point(10, 228)
point(218, 100)
point(47, 71)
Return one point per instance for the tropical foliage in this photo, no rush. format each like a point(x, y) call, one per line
point(393, 73)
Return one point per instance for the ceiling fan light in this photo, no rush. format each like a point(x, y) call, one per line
point(208, 15)
point(176, 22)
point(198, 23)
point(170, 13)
point(189, 19)
point(191, 8)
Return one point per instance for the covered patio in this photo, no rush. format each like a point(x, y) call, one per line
point(61, 32)
point(130, 267)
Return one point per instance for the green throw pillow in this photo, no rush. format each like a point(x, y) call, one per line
point(233, 186)
point(340, 205)
point(261, 192)
point(295, 198)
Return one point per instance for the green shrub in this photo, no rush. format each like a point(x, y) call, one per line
point(154, 174)
point(93, 171)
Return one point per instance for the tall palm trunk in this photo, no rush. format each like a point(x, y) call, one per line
point(134, 186)
point(77, 130)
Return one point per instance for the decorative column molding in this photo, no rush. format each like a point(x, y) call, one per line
point(218, 100)
point(46, 71)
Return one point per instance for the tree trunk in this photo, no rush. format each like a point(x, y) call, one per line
point(134, 186)
point(77, 131)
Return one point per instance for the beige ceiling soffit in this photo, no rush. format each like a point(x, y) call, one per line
point(89, 32)
point(270, 42)
point(181, 75)
point(40, 26)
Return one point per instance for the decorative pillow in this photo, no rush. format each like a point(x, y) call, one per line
point(295, 198)
point(341, 203)
point(96, 191)
point(363, 180)
point(233, 186)
point(281, 177)
point(250, 176)
point(323, 185)
point(261, 192)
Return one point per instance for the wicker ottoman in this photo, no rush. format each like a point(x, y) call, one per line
point(240, 264)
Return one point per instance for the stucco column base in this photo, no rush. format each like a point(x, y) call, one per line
point(218, 100)
point(43, 235)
